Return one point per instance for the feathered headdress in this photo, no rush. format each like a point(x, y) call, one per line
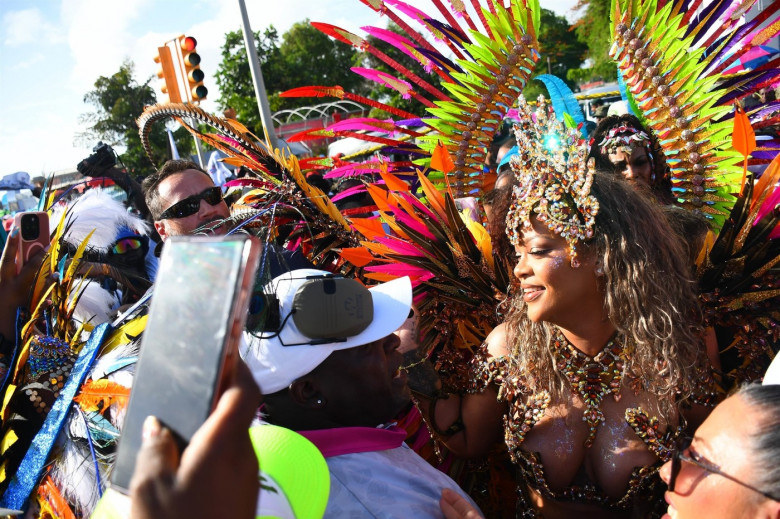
point(671, 56)
point(98, 216)
point(494, 56)
point(553, 178)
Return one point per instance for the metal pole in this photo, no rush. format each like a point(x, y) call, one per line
point(198, 147)
point(257, 77)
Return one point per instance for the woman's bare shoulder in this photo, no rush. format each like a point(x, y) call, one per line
point(497, 342)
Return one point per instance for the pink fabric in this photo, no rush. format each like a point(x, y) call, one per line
point(350, 440)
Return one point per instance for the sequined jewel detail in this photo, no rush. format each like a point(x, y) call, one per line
point(593, 378)
point(49, 355)
point(553, 176)
point(661, 444)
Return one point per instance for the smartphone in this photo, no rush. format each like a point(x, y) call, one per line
point(34, 230)
point(189, 348)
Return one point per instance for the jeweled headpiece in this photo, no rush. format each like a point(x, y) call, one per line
point(553, 178)
point(623, 136)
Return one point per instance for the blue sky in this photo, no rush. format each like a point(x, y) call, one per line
point(52, 51)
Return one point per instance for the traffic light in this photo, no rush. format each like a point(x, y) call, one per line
point(167, 72)
point(192, 73)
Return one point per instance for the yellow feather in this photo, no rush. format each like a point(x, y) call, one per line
point(124, 334)
point(481, 236)
point(74, 262)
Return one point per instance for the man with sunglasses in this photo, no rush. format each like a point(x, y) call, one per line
point(183, 199)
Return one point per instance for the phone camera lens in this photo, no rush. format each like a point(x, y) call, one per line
point(30, 227)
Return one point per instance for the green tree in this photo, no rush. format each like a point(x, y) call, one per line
point(118, 100)
point(593, 30)
point(304, 57)
point(234, 78)
point(560, 52)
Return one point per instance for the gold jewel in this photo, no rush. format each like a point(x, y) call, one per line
point(593, 378)
point(553, 178)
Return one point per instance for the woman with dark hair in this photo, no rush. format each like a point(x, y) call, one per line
point(621, 144)
point(600, 356)
point(728, 470)
point(730, 467)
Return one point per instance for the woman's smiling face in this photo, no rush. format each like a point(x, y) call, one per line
point(552, 289)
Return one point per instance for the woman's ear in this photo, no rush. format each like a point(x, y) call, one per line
point(598, 268)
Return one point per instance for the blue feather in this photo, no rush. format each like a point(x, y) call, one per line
point(562, 98)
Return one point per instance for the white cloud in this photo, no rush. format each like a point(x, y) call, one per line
point(28, 26)
point(98, 36)
point(34, 59)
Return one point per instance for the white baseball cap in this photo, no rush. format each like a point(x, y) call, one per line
point(279, 357)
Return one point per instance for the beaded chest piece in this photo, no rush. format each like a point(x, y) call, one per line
point(593, 378)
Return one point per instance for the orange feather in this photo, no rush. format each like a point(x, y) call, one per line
point(96, 392)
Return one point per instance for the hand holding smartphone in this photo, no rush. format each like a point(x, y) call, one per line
point(189, 349)
point(34, 235)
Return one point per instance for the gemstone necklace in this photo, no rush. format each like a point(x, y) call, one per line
point(592, 378)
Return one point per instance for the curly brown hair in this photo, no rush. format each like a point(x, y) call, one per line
point(649, 295)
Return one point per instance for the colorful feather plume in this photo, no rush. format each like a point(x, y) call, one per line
point(492, 65)
point(672, 65)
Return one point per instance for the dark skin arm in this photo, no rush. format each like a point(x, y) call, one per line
point(133, 189)
point(481, 413)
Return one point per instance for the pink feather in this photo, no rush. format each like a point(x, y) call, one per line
point(353, 170)
point(396, 269)
point(399, 246)
point(400, 216)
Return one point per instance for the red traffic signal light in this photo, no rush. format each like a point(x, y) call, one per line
point(188, 43)
point(192, 72)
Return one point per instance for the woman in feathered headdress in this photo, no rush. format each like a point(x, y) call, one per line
point(600, 357)
point(623, 145)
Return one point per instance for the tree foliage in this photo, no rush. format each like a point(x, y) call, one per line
point(558, 44)
point(303, 57)
point(118, 101)
point(593, 30)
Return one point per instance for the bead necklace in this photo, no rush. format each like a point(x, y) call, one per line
point(592, 378)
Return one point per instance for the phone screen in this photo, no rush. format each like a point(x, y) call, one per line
point(194, 311)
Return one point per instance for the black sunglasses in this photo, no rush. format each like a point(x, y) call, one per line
point(191, 204)
point(679, 456)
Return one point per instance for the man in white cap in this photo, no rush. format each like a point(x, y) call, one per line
point(328, 366)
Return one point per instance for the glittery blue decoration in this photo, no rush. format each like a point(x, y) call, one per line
point(28, 474)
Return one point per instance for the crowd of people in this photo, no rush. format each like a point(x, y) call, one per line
point(598, 375)
point(547, 320)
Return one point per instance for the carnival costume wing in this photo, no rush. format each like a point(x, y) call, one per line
point(493, 53)
point(671, 56)
point(68, 384)
point(739, 278)
point(458, 281)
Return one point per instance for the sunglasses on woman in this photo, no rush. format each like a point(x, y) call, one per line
point(191, 204)
point(125, 245)
point(679, 456)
